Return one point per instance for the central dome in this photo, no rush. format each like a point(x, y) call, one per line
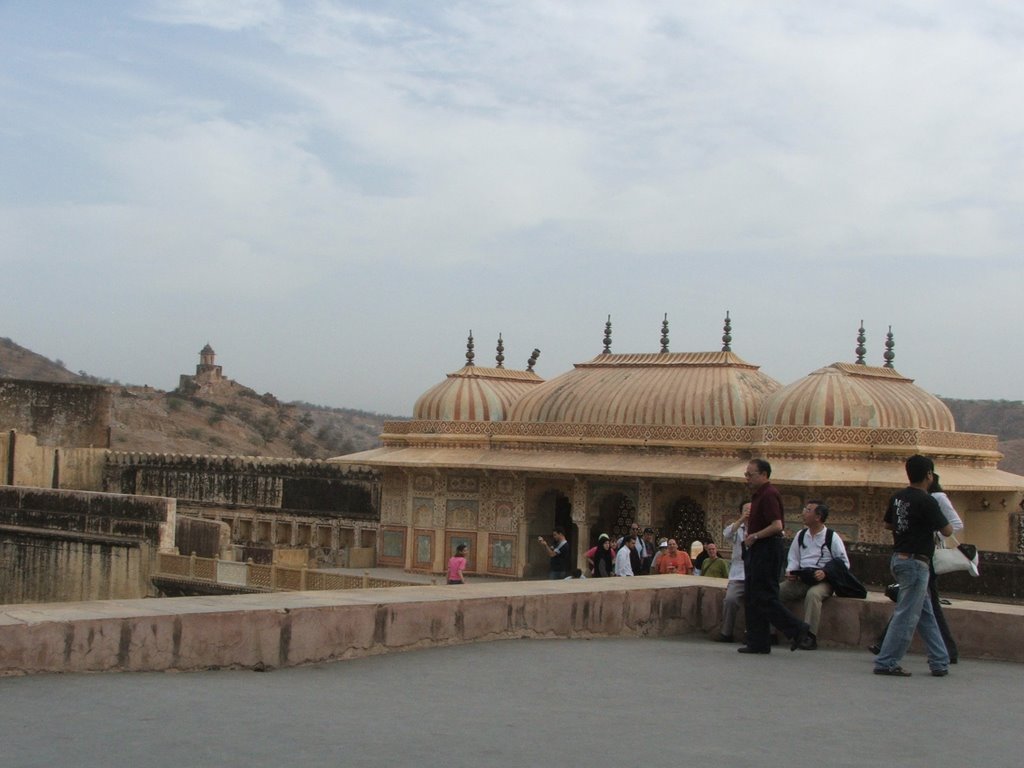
point(655, 389)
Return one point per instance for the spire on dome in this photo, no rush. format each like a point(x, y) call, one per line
point(608, 337)
point(889, 354)
point(500, 358)
point(727, 334)
point(664, 334)
point(469, 350)
point(533, 360)
point(860, 349)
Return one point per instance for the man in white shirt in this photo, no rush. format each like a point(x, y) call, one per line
point(811, 549)
point(623, 558)
point(733, 535)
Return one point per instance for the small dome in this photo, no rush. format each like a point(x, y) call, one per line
point(475, 394)
point(656, 389)
point(848, 395)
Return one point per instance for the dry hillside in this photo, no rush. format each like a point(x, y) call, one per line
point(219, 418)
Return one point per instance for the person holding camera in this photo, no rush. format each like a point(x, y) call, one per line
point(558, 552)
point(810, 551)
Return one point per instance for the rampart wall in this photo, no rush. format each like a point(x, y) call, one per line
point(60, 545)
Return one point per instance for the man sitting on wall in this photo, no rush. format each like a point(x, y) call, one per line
point(811, 549)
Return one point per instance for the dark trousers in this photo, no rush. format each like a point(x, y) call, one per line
point(764, 563)
point(940, 618)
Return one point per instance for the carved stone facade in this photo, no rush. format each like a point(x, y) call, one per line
point(662, 440)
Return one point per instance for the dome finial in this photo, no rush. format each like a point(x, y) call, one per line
point(469, 350)
point(860, 349)
point(533, 360)
point(727, 334)
point(889, 354)
point(664, 334)
point(500, 358)
point(608, 337)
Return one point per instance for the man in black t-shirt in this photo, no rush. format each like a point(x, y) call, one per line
point(559, 554)
point(913, 516)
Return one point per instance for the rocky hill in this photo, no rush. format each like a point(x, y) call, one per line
point(1004, 418)
point(17, 362)
point(233, 420)
point(219, 417)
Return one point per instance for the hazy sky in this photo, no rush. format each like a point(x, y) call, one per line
point(334, 193)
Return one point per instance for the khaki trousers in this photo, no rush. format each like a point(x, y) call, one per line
point(813, 598)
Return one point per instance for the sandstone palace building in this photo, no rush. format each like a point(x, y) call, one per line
point(494, 457)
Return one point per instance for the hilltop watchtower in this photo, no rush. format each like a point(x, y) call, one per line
point(207, 372)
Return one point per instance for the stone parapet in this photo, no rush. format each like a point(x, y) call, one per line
point(288, 629)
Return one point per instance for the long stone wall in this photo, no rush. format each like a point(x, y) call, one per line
point(75, 545)
point(288, 629)
point(291, 484)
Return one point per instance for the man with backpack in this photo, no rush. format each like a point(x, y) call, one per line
point(810, 552)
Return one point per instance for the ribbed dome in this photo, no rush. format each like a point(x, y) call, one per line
point(656, 389)
point(848, 395)
point(475, 394)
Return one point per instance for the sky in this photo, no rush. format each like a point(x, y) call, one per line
point(334, 194)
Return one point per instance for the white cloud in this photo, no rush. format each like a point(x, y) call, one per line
point(533, 164)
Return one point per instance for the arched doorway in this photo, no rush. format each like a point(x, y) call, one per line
point(554, 510)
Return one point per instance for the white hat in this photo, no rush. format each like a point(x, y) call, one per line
point(662, 543)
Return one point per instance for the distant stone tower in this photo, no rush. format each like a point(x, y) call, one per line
point(207, 372)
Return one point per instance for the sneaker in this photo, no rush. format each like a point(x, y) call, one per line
point(748, 649)
point(810, 642)
point(940, 672)
point(875, 648)
point(892, 671)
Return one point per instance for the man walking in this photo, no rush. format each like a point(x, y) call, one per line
point(913, 516)
point(810, 551)
point(765, 556)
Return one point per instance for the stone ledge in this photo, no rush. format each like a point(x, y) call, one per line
point(293, 628)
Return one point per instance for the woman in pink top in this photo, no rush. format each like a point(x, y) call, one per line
point(456, 565)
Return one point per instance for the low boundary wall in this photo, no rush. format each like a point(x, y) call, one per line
point(288, 629)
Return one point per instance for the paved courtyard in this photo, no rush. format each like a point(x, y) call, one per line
point(608, 702)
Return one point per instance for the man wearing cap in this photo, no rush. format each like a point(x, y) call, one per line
point(913, 516)
point(662, 549)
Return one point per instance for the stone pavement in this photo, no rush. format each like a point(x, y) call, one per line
point(620, 702)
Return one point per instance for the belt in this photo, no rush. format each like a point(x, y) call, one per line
point(907, 556)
